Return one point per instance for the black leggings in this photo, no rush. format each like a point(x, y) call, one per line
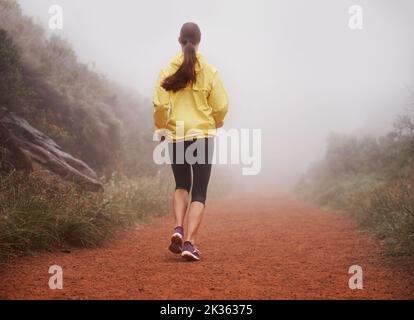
point(196, 155)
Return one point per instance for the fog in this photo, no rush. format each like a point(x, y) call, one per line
point(292, 68)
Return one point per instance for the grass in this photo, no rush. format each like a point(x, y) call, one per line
point(381, 207)
point(388, 212)
point(39, 213)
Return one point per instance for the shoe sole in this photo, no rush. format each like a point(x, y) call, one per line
point(187, 255)
point(176, 243)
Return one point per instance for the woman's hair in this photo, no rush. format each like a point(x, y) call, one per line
point(190, 37)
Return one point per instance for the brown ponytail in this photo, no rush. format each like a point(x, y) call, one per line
point(190, 37)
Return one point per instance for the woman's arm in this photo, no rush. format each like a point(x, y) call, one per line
point(161, 101)
point(218, 101)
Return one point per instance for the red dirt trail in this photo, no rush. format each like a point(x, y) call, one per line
point(252, 248)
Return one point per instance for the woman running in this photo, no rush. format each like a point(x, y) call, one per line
point(190, 103)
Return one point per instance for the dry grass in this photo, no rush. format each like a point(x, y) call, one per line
point(39, 213)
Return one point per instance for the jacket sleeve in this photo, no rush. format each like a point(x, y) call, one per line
point(161, 101)
point(218, 101)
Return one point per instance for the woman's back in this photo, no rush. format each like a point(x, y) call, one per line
point(192, 112)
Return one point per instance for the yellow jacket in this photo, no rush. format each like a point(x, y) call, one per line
point(196, 111)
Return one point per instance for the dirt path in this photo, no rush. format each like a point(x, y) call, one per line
point(269, 248)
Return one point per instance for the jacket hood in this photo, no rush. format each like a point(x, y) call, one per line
point(179, 58)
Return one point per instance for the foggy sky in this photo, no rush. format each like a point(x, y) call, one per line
point(292, 68)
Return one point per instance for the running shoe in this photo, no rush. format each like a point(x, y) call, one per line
point(176, 245)
point(190, 252)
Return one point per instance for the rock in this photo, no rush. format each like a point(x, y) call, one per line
point(32, 150)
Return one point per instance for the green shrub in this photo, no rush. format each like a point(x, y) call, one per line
point(388, 212)
point(371, 179)
point(92, 118)
point(40, 213)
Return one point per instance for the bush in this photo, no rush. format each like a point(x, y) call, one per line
point(388, 212)
point(341, 193)
point(43, 81)
point(371, 179)
point(40, 213)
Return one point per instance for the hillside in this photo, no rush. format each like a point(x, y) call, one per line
point(67, 120)
point(94, 119)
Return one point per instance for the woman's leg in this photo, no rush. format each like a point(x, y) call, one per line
point(201, 178)
point(180, 205)
point(195, 217)
point(182, 175)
